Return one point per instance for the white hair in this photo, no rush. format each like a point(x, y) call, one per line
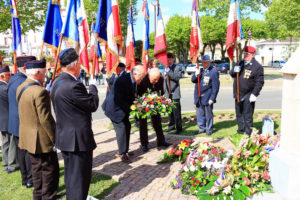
point(35, 71)
point(71, 64)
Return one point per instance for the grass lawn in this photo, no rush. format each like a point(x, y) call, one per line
point(225, 124)
point(12, 189)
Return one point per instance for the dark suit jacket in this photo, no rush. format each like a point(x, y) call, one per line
point(175, 75)
point(3, 106)
point(124, 92)
point(13, 121)
point(111, 110)
point(73, 107)
point(145, 85)
point(209, 91)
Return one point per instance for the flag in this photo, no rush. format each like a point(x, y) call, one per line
point(75, 29)
point(196, 45)
point(92, 48)
point(130, 42)
point(16, 29)
point(234, 27)
point(160, 47)
point(109, 31)
point(0, 59)
point(145, 54)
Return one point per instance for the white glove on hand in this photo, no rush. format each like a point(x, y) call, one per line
point(48, 87)
point(167, 69)
point(197, 72)
point(210, 102)
point(237, 69)
point(93, 81)
point(252, 98)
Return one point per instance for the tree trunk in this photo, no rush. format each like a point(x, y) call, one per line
point(213, 49)
point(223, 51)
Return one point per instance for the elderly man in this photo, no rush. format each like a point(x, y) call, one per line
point(73, 107)
point(7, 163)
point(13, 122)
point(124, 95)
point(251, 81)
point(153, 81)
point(209, 88)
point(37, 131)
point(172, 85)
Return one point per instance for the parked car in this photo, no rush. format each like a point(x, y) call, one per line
point(223, 68)
point(276, 63)
point(191, 68)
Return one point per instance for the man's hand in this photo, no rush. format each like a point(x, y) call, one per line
point(197, 72)
point(252, 98)
point(93, 81)
point(210, 102)
point(237, 69)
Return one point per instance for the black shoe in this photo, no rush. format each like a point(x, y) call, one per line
point(208, 133)
point(170, 129)
point(145, 148)
point(130, 153)
point(29, 185)
point(125, 158)
point(178, 132)
point(164, 144)
point(59, 196)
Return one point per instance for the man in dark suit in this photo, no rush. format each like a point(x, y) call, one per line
point(73, 107)
point(6, 137)
point(37, 131)
point(172, 77)
point(13, 122)
point(124, 95)
point(153, 81)
point(209, 88)
point(251, 81)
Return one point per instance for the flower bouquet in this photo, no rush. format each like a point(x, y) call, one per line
point(151, 104)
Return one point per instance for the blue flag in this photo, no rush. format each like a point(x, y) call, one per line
point(70, 27)
point(53, 24)
point(101, 21)
point(16, 29)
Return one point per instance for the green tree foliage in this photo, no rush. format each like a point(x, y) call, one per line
point(178, 31)
point(31, 14)
point(138, 49)
point(151, 44)
point(283, 19)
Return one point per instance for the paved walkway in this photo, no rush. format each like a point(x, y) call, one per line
point(143, 178)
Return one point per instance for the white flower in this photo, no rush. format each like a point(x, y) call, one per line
point(229, 153)
point(213, 190)
point(192, 168)
point(227, 190)
point(186, 169)
point(194, 143)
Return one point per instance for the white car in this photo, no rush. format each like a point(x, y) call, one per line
point(191, 68)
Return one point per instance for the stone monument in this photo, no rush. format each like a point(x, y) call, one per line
point(285, 161)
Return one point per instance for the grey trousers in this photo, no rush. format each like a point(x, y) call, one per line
point(9, 152)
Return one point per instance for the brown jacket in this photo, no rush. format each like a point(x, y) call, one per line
point(37, 126)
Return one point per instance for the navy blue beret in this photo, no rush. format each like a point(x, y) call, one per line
point(36, 64)
point(4, 69)
point(122, 65)
point(68, 56)
point(21, 60)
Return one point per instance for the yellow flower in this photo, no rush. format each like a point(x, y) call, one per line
point(182, 145)
point(133, 107)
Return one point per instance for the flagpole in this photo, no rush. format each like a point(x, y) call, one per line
point(15, 61)
point(95, 55)
point(198, 77)
point(56, 58)
point(42, 50)
point(237, 74)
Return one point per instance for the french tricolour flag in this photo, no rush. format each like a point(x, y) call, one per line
point(145, 55)
point(234, 27)
point(16, 29)
point(130, 42)
point(160, 47)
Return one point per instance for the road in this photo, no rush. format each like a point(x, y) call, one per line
point(269, 99)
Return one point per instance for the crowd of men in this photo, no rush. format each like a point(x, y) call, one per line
point(31, 136)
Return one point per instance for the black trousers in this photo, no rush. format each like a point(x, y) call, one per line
point(78, 173)
point(122, 130)
point(45, 175)
point(244, 115)
point(156, 123)
point(25, 164)
point(175, 116)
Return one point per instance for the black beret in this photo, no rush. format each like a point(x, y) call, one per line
point(122, 65)
point(4, 69)
point(138, 60)
point(170, 55)
point(21, 60)
point(36, 64)
point(68, 56)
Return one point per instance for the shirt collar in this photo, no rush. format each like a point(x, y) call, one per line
point(35, 80)
point(3, 82)
point(71, 75)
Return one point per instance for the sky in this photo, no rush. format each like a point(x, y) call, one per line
point(169, 8)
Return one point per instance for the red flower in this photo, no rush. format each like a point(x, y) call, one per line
point(205, 152)
point(266, 175)
point(146, 109)
point(165, 102)
point(194, 184)
point(186, 142)
point(197, 181)
point(193, 178)
point(178, 152)
point(194, 161)
point(246, 180)
point(152, 102)
point(172, 151)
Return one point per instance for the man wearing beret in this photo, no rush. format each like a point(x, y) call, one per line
point(251, 81)
point(173, 76)
point(7, 163)
point(73, 107)
point(13, 121)
point(37, 131)
point(209, 88)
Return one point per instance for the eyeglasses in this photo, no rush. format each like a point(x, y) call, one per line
point(247, 53)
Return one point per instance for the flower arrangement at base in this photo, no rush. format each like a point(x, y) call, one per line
point(151, 104)
point(210, 172)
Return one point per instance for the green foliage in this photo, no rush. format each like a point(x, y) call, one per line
point(138, 48)
point(235, 139)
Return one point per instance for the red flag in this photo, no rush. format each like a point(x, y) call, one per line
point(0, 59)
point(130, 42)
point(195, 39)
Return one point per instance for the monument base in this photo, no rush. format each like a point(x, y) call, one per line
point(285, 173)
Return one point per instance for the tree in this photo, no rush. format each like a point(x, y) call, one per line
point(138, 48)
point(178, 31)
point(31, 14)
point(151, 44)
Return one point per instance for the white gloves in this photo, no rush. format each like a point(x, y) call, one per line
point(48, 87)
point(167, 69)
point(252, 98)
point(93, 81)
point(210, 102)
point(197, 72)
point(237, 69)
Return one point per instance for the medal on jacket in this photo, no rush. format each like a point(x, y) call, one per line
point(247, 73)
point(206, 80)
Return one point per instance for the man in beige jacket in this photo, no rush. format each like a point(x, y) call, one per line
point(37, 131)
